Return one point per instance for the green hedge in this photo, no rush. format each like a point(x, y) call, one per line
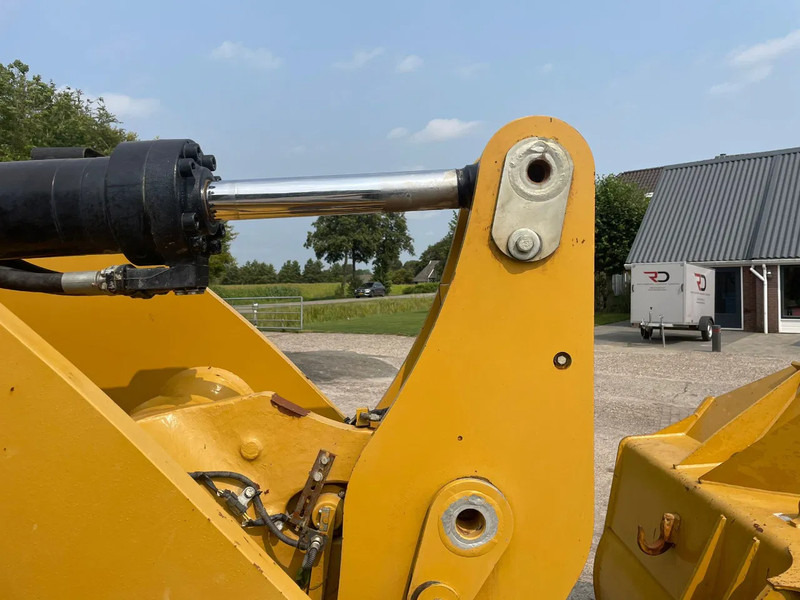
point(421, 288)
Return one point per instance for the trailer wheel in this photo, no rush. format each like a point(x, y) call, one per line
point(704, 325)
point(646, 332)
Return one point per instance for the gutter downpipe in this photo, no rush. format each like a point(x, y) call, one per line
point(763, 279)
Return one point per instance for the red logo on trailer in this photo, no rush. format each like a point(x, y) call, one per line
point(657, 276)
point(701, 281)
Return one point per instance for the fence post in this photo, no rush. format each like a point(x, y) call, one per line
point(301, 313)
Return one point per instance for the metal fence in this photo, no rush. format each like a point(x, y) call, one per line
point(270, 313)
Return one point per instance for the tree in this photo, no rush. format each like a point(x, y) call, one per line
point(619, 209)
point(335, 273)
point(313, 271)
point(440, 250)
point(35, 113)
point(394, 239)
point(339, 238)
point(401, 275)
point(220, 264)
point(290, 272)
point(256, 272)
point(412, 266)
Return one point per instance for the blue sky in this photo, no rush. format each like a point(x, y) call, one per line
point(302, 88)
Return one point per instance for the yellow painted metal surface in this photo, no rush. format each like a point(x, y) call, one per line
point(732, 472)
point(483, 399)
point(101, 505)
point(130, 347)
point(222, 436)
point(92, 508)
point(439, 559)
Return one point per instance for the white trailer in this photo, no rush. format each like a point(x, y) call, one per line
point(676, 295)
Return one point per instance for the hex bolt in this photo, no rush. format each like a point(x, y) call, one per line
point(249, 492)
point(317, 476)
point(524, 244)
point(324, 460)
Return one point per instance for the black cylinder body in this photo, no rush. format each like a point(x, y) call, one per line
point(144, 201)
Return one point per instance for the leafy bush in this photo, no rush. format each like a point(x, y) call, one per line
point(421, 288)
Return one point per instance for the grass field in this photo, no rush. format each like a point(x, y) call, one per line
point(404, 323)
point(606, 318)
point(309, 291)
point(344, 311)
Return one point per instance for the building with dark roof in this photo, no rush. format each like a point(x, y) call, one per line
point(647, 179)
point(428, 273)
point(740, 215)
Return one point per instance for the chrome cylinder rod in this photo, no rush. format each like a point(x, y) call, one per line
point(340, 195)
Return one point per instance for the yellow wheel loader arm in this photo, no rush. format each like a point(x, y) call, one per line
point(132, 427)
point(156, 445)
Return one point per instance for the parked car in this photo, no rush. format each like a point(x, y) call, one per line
point(370, 290)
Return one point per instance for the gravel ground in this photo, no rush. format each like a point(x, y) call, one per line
point(637, 389)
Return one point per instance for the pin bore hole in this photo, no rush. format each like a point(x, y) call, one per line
point(470, 523)
point(539, 170)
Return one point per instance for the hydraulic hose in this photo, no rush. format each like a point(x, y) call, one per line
point(206, 477)
point(21, 280)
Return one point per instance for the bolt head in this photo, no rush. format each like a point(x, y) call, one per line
point(250, 449)
point(249, 492)
point(324, 460)
point(524, 244)
point(317, 476)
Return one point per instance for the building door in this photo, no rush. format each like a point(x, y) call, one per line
point(728, 297)
point(789, 299)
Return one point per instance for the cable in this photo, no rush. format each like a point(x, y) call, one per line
point(205, 477)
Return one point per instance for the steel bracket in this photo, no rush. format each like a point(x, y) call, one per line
point(532, 199)
point(468, 528)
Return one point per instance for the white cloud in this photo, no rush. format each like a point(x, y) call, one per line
point(766, 52)
point(410, 63)
point(755, 63)
point(396, 133)
point(359, 59)
point(746, 78)
point(439, 130)
point(256, 58)
point(124, 106)
point(469, 71)
point(546, 68)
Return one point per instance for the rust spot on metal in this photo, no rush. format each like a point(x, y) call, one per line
point(758, 527)
point(666, 539)
point(287, 407)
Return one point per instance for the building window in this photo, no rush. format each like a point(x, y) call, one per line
point(790, 292)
